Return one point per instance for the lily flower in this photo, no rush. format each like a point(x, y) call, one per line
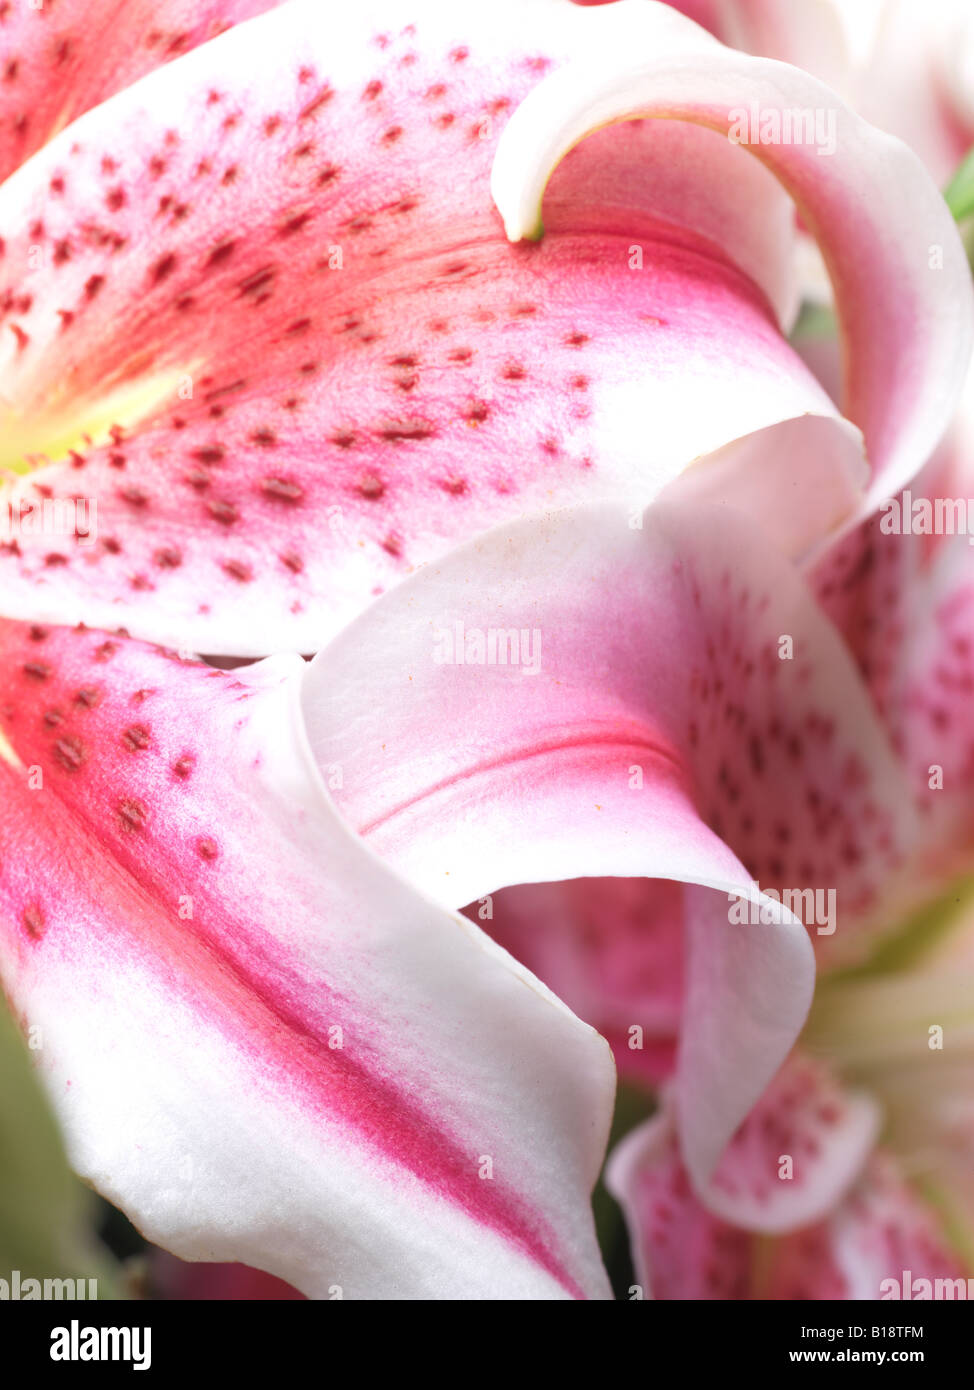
point(194, 911)
point(904, 607)
point(276, 333)
point(334, 366)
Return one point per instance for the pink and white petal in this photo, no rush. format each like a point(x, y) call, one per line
point(261, 1043)
point(798, 480)
point(912, 80)
point(59, 58)
point(667, 641)
point(680, 1250)
point(797, 1153)
point(744, 991)
point(921, 646)
point(901, 589)
point(685, 175)
point(612, 949)
point(905, 68)
point(884, 1233)
point(645, 727)
point(334, 365)
point(906, 321)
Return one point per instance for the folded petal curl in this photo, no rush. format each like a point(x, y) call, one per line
point(558, 700)
point(867, 199)
point(261, 1043)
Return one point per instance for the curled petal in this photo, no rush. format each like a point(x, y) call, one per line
point(797, 1153)
point(561, 699)
point(613, 949)
point(872, 1241)
point(277, 334)
point(261, 1043)
point(865, 197)
point(680, 1250)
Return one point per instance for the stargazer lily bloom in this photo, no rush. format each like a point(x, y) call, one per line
point(260, 307)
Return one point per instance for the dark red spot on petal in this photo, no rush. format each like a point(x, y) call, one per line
point(282, 489)
point(397, 431)
point(34, 921)
point(70, 752)
point(163, 268)
point(210, 453)
point(133, 815)
point(225, 513)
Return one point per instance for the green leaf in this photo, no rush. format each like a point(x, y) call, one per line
point(815, 321)
point(960, 191)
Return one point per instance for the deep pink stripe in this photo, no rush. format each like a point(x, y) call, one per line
point(543, 748)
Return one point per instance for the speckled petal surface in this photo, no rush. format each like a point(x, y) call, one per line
point(333, 365)
point(614, 743)
point(261, 1043)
